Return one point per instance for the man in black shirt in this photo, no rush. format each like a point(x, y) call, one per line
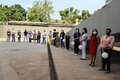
point(25, 35)
point(54, 37)
point(19, 35)
point(8, 35)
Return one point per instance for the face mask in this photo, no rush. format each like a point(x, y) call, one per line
point(94, 32)
point(108, 33)
point(76, 30)
point(83, 31)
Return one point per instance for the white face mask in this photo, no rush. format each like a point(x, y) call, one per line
point(94, 32)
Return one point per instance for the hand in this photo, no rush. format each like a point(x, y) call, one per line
point(102, 50)
point(80, 41)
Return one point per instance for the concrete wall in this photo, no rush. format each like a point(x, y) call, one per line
point(4, 28)
point(108, 16)
point(1, 30)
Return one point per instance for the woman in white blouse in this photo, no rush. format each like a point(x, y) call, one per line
point(83, 41)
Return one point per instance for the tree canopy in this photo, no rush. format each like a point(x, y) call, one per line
point(70, 15)
point(41, 10)
point(15, 12)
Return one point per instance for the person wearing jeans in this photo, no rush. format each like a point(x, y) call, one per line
point(62, 35)
point(38, 37)
point(44, 37)
point(106, 45)
point(13, 35)
point(30, 35)
point(84, 42)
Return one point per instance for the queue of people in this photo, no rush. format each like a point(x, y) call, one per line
point(106, 42)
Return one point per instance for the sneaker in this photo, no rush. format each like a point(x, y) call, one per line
point(107, 72)
point(76, 54)
point(82, 59)
point(101, 69)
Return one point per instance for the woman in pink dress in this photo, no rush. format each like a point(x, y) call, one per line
point(95, 40)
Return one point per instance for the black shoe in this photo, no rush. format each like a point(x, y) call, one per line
point(92, 65)
point(107, 72)
point(101, 69)
point(82, 59)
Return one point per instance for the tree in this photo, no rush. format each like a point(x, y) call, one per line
point(14, 12)
point(69, 15)
point(41, 11)
point(85, 14)
point(2, 15)
point(47, 8)
point(21, 10)
point(17, 16)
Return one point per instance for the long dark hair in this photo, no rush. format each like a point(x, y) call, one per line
point(85, 29)
point(94, 34)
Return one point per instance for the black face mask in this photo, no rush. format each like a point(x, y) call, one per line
point(108, 34)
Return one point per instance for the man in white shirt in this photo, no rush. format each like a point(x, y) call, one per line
point(44, 37)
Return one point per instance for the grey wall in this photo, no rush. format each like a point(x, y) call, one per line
point(108, 16)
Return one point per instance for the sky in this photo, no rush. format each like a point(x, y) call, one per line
point(90, 5)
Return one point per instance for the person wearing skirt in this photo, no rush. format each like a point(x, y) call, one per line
point(95, 40)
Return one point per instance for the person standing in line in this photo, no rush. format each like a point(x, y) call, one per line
point(34, 36)
point(62, 36)
point(83, 41)
point(77, 41)
point(67, 41)
point(44, 37)
point(57, 41)
point(13, 35)
point(38, 37)
point(106, 45)
point(95, 40)
point(8, 35)
point(50, 38)
point(19, 35)
point(30, 35)
point(25, 35)
point(54, 37)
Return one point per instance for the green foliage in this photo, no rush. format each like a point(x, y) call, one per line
point(15, 12)
point(2, 15)
point(70, 15)
point(40, 12)
point(97, 10)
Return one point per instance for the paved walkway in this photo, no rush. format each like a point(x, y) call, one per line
point(29, 61)
point(70, 67)
point(23, 61)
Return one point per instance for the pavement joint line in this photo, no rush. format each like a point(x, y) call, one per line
point(53, 72)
